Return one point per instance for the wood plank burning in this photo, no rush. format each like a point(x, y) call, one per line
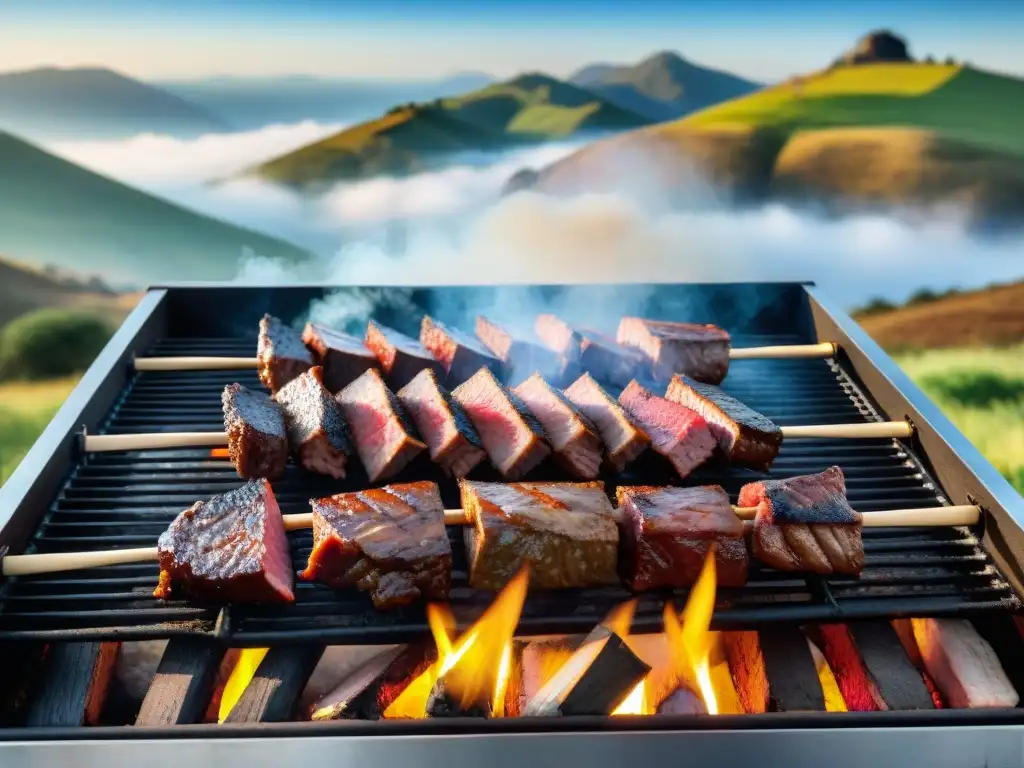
point(348, 700)
point(184, 683)
point(774, 671)
point(74, 685)
point(272, 694)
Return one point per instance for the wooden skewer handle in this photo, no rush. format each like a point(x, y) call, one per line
point(153, 441)
point(934, 517)
point(194, 363)
point(825, 349)
point(27, 565)
point(893, 429)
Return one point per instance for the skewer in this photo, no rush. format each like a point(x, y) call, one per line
point(26, 565)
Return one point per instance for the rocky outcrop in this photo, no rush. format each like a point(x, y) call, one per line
point(878, 47)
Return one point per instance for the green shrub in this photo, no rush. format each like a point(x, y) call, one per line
point(48, 343)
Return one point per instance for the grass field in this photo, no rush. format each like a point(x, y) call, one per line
point(25, 410)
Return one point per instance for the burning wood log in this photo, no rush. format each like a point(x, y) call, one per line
point(774, 671)
point(348, 700)
point(683, 701)
point(183, 685)
point(74, 685)
point(275, 688)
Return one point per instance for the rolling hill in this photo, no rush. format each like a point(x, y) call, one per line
point(51, 103)
point(531, 108)
point(55, 212)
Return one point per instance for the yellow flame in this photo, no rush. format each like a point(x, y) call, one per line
point(636, 703)
point(620, 618)
point(834, 701)
point(249, 660)
point(501, 684)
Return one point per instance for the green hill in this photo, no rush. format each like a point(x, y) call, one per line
point(55, 212)
point(529, 109)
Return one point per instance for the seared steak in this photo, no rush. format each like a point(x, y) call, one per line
point(699, 351)
point(400, 356)
point(623, 440)
point(257, 440)
point(805, 523)
point(592, 351)
point(316, 424)
point(512, 436)
point(565, 531)
point(280, 354)
point(746, 437)
point(231, 548)
point(343, 357)
point(572, 436)
point(666, 534)
point(677, 433)
point(521, 357)
point(460, 354)
point(390, 542)
point(443, 424)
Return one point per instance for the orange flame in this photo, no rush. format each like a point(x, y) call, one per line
point(219, 453)
point(637, 703)
point(834, 701)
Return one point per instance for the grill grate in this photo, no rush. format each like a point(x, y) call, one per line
point(126, 500)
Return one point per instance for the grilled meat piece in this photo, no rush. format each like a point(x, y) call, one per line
point(443, 424)
point(231, 548)
point(699, 351)
point(512, 436)
point(400, 356)
point(677, 433)
point(316, 424)
point(805, 524)
point(280, 354)
point(623, 440)
point(385, 438)
point(521, 357)
point(573, 437)
point(390, 542)
point(460, 354)
point(592, 351)
point(746, 437)
point(344, 358)
point(565, 531)
point(257, 439)
point(666, 534)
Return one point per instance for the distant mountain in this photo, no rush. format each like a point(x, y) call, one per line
point(53, 103)
point(528, 109)
point(57, 213)
point(663, 86)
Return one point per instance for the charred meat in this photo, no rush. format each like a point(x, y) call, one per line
point(460, 354)
point(344, 358)
point(573, 437)
point(385, 438)
point(592, 351)
point(520, 356)
point(565, 531)
point(666, 534)
point(805, 523)
point(257, 439)
point(390, 542)
point(512, 436)
point(623, 440)
point(400, 356)
point(231, 548)
point(280, 354)
point(680, 435)
point(316, 424)
point(443, 424)
point(746, 437)
point(699, 351)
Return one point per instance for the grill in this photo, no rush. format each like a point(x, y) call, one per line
point(61, 500)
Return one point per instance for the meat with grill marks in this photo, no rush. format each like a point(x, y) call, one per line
point(230, 548)
point(699, 351)
point(623, 440)
point(513, 438)
point(566, 532)
point(344, 358)
point(401, 357)
point(746, 437)
point(386, 440)
point(460, 354)
point(520, 356)
point(805, 523)
point(443, 424)
point(280, 354)
point(573, 437)
point(257, 438)
point(592, 351)
point(390, 542)
point(316, 424)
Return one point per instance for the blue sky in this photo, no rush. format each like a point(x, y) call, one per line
point(401, 39)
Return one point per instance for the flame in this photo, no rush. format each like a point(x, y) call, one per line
point(220, 453)
point(471, 678)
point(249, 660)
point(636, 703)
point(834, 701)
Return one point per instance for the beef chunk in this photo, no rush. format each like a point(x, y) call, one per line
point(257, 440)
point(592, 351)
point(280, 354)
point(677, 433)
point(623, 440)
point(512, 436)
point(443, 424)
point(460, 354)
point(400, 356)
point(746, 437)
point(666, 534)
point(344, 358)
point(385, 438)
point(805, 523)
point(699, 351)
point(390, 542)
point(520, 356)
point(316, 425)
point(572, 436)
point(565, 531)
point(231, 548)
